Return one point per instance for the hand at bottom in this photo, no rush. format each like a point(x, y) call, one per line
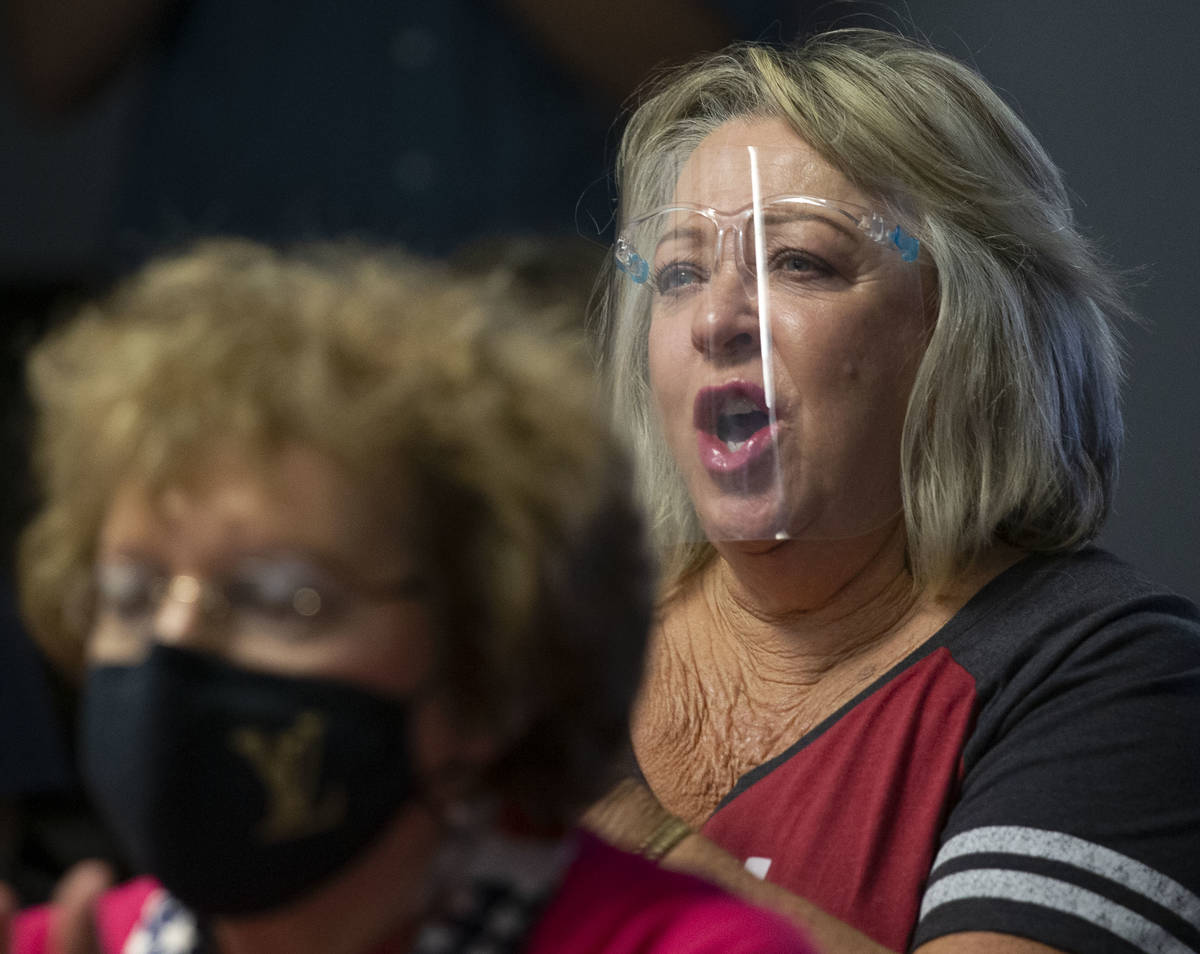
point(72, 922)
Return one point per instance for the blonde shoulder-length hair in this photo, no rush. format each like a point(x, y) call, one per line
point(1013, 426)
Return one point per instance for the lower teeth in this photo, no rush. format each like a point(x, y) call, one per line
point(735, 445)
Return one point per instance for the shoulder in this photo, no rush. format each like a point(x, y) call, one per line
point(614, 902)
point(1052, 614)
point(1077, 820)
point(1081, 665)
point(1090, 576)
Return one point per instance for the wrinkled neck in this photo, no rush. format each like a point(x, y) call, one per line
point(819, 596)
point(802, 610)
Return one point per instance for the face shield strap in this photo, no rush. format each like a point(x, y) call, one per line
point(630, 262)
point(908, 245)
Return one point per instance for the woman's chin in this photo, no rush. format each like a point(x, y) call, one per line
point(762, 524)
point(745, 521)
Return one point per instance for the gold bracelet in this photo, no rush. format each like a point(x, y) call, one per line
point(669, 833)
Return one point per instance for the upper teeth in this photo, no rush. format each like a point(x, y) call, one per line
point(740, 405)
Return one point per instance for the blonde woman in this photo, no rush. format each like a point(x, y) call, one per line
point(870, 370)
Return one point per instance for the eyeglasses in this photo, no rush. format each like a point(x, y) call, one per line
point(283, 597)
point(680, 245)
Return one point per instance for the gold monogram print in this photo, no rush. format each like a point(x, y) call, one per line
point(288, 765)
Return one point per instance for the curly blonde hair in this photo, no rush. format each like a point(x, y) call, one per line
point(406, 375)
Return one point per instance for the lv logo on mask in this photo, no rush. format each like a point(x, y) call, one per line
point(288, 765)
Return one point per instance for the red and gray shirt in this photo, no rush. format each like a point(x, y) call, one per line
point(1034, 769)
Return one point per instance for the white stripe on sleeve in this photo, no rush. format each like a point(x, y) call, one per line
point(1008, 885)
point(1088, 856)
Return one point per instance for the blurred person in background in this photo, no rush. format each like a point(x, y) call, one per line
point(348, 563)
point(433, 125)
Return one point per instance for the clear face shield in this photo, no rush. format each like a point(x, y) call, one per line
point(783, 328)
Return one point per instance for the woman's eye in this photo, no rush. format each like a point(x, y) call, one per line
point(264, 596)
point(800, 263)
point(127, 590)
point(285, 590)
point(675, 276)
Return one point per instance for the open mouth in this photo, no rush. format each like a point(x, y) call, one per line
point(738, 420)
point(733, 425)
point(733, 413)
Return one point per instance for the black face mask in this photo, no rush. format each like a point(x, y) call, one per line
point(241, 791)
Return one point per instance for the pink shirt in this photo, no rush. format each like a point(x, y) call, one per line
point(613, 902)
point(609, 902)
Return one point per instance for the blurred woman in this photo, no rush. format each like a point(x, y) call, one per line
point(359, 598)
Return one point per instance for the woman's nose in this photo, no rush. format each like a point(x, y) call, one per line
point(725, 324)
point(182, 611)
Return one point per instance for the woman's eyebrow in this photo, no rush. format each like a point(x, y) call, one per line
point(690, 232)
point(776, 215)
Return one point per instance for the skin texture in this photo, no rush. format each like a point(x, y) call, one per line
point(774, 635)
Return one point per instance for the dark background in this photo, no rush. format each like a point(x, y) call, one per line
point(1111, 88)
